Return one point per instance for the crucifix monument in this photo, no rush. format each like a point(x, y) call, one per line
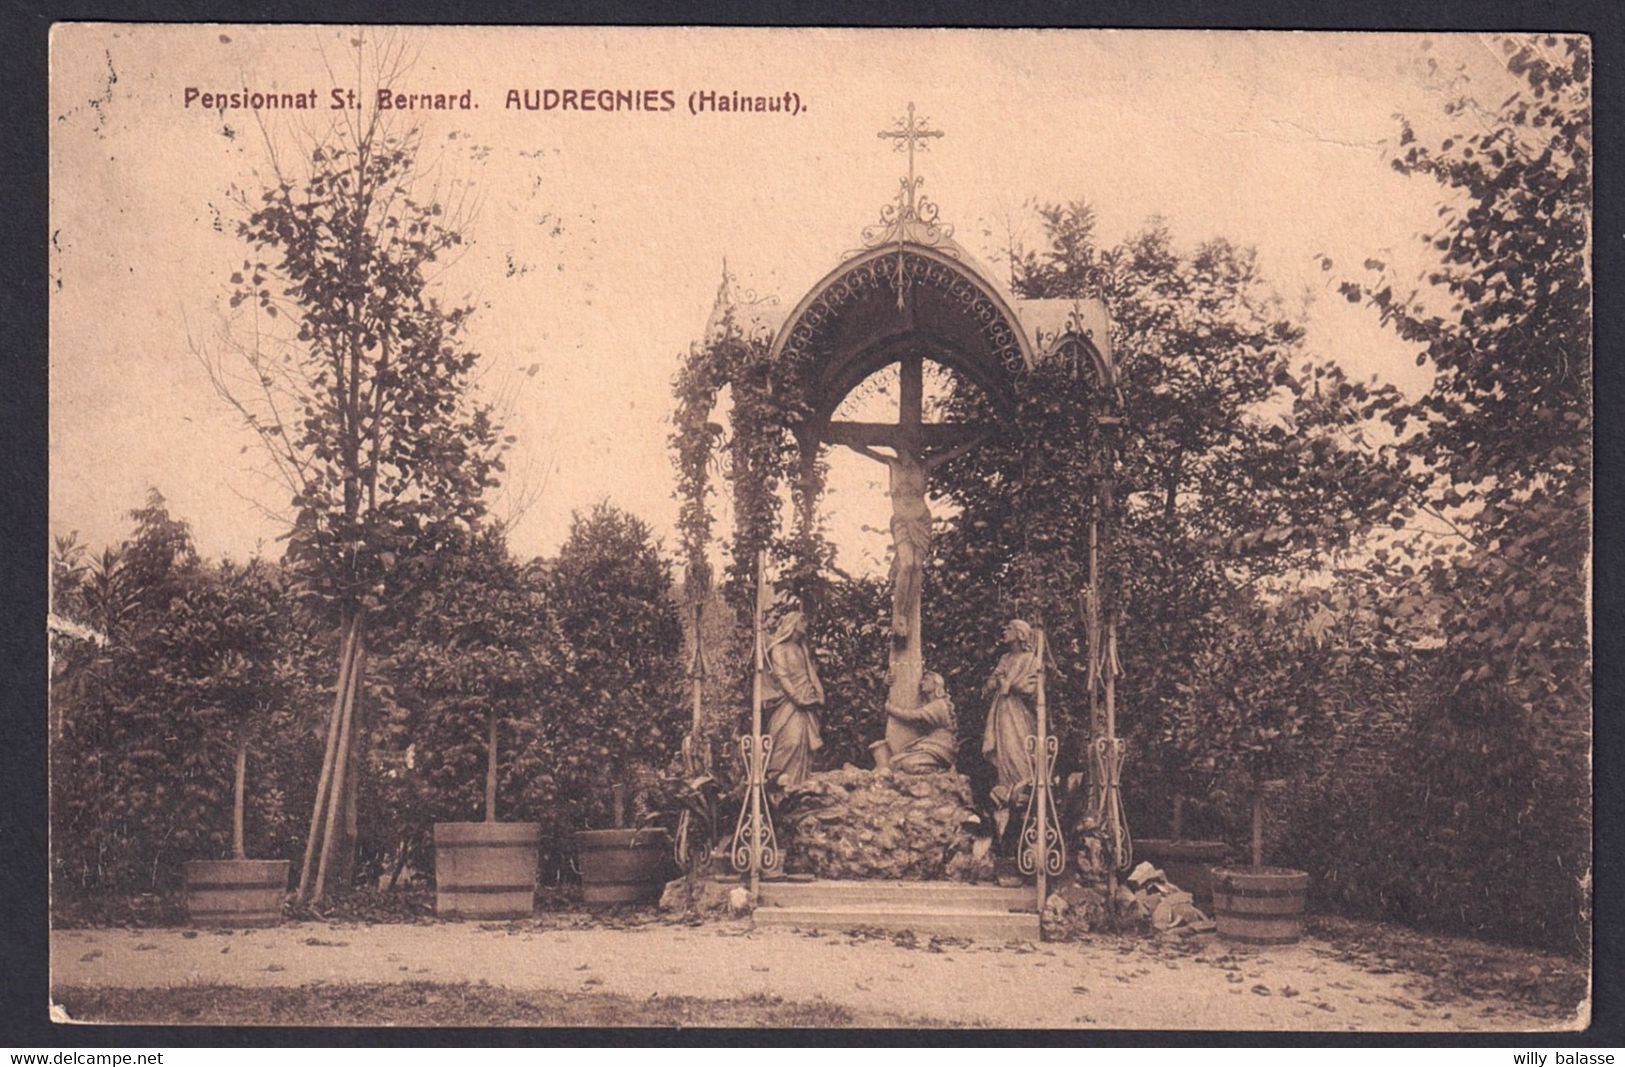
point(911, 296)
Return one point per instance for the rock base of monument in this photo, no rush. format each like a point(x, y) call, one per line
point(858, 824)
point(1074, 910)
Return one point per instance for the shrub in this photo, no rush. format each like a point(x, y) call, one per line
point(179, 662)
point(617, 706)
point(1475, 824)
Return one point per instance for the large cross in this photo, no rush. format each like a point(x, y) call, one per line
point(917, 447)
point(911, 136)
point(910, 432)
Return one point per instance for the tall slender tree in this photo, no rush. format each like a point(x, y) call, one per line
point(358, 382)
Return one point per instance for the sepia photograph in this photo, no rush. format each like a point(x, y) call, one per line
point(820, 529)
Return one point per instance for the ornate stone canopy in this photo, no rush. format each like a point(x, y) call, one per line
point(850, 325)
point(912, 292)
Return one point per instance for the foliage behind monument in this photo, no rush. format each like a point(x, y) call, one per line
point(1235, 472)
point(1494, 772)
point(616, 712)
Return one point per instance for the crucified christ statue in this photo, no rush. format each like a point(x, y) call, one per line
point(910, 523)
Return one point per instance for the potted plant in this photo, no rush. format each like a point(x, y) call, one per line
point(222, 638)
point(481, 654)
point(626, 864)
point(1256, 688)
point(486, 869)
point(621, 706)
point(1182, 763)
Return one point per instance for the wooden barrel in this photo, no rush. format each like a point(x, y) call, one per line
point(1259, 905)
point(1188, 864)
point(485, 870)
point(622, 866)
point(235, 892)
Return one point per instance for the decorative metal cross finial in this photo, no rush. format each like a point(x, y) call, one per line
point(908, 134)
point(910, 217)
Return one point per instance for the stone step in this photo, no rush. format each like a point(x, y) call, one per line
point(982, 923)
point(949, 895)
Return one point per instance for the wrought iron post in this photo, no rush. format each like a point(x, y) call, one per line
point(754, 844)
point(1043, 849)
point(1106, 749)
point(696, 752)
point(1112, 754)
point(696, 675)
point(1102, 603)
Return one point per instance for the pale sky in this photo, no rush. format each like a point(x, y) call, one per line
point(600, 237)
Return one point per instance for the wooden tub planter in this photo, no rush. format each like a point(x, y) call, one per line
point(1259, 905)
point(485, 870)
point(238, 893)
point(622, 866)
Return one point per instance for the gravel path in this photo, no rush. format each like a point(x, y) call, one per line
point(1109, 984)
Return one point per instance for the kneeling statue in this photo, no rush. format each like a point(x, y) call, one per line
point(933, 716)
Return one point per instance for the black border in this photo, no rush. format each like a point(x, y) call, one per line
point(23, 481)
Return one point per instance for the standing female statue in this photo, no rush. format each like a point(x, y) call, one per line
point(791, 693)
point(1013, 685)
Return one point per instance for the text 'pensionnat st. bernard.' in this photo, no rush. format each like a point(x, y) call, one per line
point(608, 101)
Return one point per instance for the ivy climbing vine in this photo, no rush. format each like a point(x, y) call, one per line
point(760, 458)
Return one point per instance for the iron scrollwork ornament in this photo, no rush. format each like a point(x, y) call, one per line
point(747, 835)
point(1106, 757)
point(911, 217)
point(1041, 840)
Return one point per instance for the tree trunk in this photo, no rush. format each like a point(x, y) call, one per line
point(241, 778)
point(400, 865)
point(1258, 827)
point(491, 771)
point(1179, 817)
